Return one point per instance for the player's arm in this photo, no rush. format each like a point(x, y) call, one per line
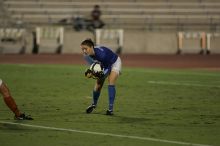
point(107, 71)
point(89, 59)
point(88, 73)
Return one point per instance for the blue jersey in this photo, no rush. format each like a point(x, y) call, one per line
point(104, 55)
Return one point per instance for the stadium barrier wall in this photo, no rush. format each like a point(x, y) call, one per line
point(73, 39)
point(136, 41)
point(213, 42)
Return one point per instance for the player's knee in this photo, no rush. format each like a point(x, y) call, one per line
point(112, 78)
point(98, 88)
point(99, 84)
point(111, 81)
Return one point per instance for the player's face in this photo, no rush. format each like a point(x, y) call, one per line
point(87, 50)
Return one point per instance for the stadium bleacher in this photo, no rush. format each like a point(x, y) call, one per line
point(131, 14)
point(143, 21)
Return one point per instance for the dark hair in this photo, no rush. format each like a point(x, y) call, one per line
point(88, 42)
point(96, 6)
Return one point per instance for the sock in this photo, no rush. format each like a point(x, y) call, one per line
point(111, 95)
point(96, 95)
point(9, 101)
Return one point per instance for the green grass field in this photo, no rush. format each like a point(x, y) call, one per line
point(169, 106)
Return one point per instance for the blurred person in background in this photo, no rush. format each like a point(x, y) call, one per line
point(10, 102)
point(96, 21)
point(80, 23)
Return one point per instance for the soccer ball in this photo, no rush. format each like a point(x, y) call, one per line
point(96, 67)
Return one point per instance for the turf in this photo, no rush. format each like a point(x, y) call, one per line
point(174, 105)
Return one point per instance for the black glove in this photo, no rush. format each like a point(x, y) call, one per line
point(98, 75)
point(88, 73)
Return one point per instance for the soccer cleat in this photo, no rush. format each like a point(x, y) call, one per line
point(109, 112)
point(23, 117)
point(90, 108)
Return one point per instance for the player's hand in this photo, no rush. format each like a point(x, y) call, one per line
point(88, 73)
point(99, 75)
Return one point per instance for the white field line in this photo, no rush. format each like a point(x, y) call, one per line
point(105, 134)
point(179, 72)
point(181, 84)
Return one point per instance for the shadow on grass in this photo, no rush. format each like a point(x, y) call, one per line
point(125, 119)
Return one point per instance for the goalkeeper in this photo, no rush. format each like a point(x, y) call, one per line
point(112, 67)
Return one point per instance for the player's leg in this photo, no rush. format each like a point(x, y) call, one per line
point(97, 90)
point(10, 102)
point(111, 91)
point(96, 93)
point(116, 69)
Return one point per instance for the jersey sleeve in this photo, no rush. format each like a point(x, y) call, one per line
point(89, 59)
point(107, 70)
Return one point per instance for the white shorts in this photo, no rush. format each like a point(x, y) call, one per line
point(116, 67)
point(0, 82)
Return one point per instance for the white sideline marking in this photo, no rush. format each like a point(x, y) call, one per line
point(105, 134)
point(181, 84)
